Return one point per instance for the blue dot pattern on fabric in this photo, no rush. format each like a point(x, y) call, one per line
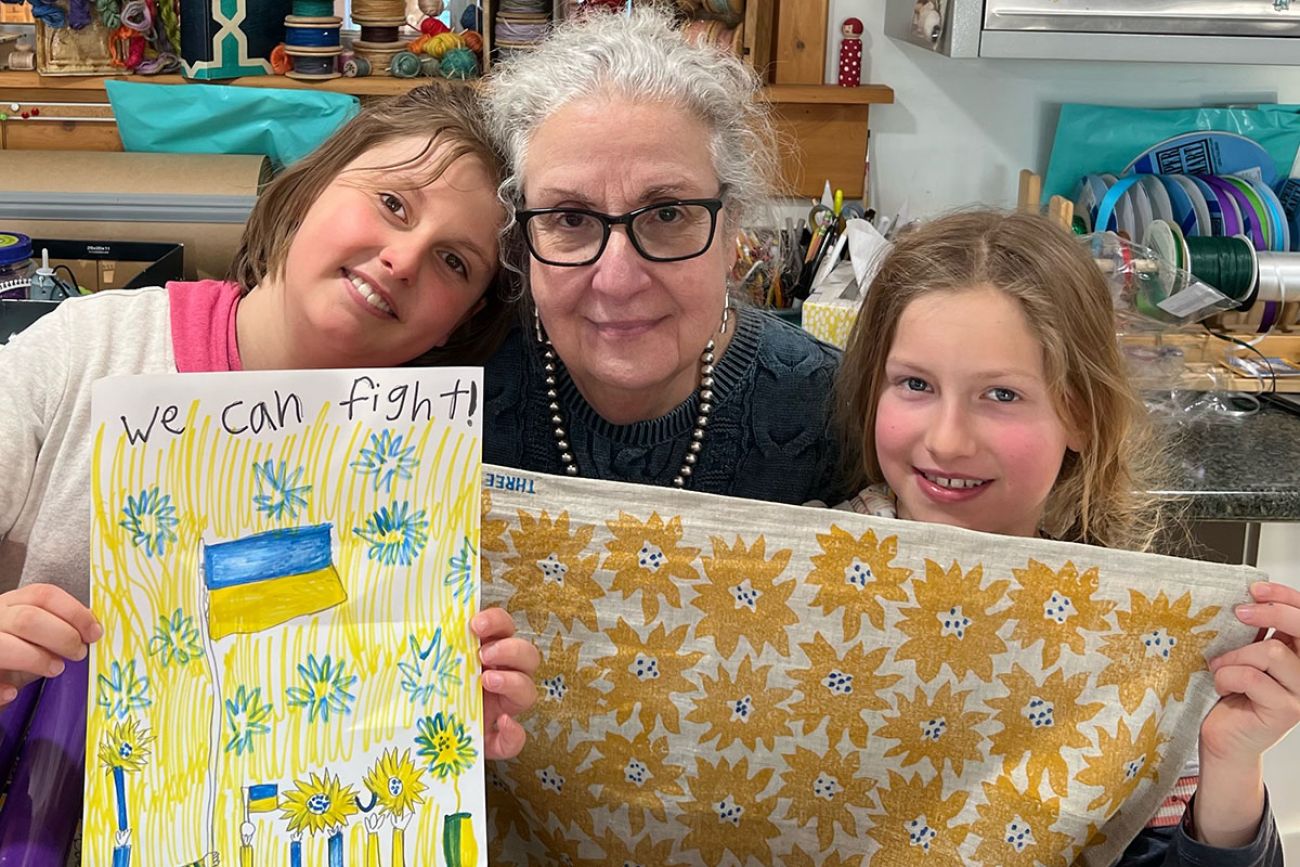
point(555, 688)
point(838, 682)
point(858, 574)
point(645, 667)
point(1040, 712)
point(650, 557)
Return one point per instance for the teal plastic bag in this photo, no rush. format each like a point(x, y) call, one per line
point(1093, 139)
point(284, 125)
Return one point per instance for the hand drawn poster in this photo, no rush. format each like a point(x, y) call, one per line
point(285, 565)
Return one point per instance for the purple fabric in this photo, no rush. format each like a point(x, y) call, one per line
point(78, 14)
point(13, 727)
point(43, 806)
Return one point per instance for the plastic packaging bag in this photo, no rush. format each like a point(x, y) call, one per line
point(284, 125)
point(1098, 138)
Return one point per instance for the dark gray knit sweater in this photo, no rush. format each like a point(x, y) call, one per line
point(768, 436)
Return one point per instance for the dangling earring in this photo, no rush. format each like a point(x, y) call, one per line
point(726, 314)
point(537, 326)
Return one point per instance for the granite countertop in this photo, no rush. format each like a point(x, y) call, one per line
point(1240, 469)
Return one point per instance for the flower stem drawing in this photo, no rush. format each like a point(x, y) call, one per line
point(320, 804)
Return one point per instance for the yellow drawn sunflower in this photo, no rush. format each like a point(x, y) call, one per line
point(319, 804)
point(396, 782)
point(445, 745)
point(126, 746)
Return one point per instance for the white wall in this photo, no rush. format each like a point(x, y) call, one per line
point(960, 132)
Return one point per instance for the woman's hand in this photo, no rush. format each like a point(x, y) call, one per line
point(509, 664)
point(41, 626)
point(1260, 685)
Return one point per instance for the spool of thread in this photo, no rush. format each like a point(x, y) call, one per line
point(404, 65)
point(378, 11)
point(313, 8)
point(22, 60)
point(311, 32)
point(1227, 264)
point(316, 65)
point(521, 31)
point(380, 56)
point(460, 64)
point(372, 33)
point(356, 67)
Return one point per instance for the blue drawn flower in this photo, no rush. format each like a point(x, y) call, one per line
point(122, 691)
point(461, 576)
point(247, 717)
point(326, 688)
point(445, 745)
point(150, 519)
point(432, 669)
point(175, 638)
point(281, 495)
point(395, 534)
point(386, 460)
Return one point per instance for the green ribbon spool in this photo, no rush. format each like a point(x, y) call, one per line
point(1224, 263)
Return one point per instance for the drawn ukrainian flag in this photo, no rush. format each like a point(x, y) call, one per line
point(266, 579)
point(264, 798)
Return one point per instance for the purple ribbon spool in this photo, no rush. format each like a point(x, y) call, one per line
point(1228, 197)
point(43, 805)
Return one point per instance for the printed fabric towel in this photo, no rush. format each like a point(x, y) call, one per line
point(734, 682)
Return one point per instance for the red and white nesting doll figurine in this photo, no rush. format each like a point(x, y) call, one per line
point(851, 53)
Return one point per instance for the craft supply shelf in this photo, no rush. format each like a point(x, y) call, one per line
point(824, 126)
point(1204, 368)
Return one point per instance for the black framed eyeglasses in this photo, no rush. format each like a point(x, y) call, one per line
point(662, 232)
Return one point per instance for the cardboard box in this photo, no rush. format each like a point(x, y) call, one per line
point(98, 265)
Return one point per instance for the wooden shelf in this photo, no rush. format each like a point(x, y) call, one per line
point(826, 125)
point(383, 85)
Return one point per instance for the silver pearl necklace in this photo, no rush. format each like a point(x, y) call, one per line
point(551, 364)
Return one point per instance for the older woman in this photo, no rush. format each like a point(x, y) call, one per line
point(634, 158)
